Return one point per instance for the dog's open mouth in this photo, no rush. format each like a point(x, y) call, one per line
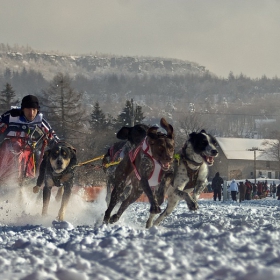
point(208, 160)
point(165, 165)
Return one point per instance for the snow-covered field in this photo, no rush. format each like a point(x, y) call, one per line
point(222, 240)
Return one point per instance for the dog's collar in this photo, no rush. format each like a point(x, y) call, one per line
point(185, 158)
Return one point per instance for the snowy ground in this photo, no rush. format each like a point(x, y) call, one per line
point(222, 240)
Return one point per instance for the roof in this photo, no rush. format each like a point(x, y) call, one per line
point(239, 148)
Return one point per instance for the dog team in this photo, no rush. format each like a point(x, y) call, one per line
point(149, 163)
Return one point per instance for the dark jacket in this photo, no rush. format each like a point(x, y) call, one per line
point(217, 182)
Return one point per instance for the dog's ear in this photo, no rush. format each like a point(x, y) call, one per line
point(70, 147)
point(123, 133)
point(192, 135)
point(152, 132)
point(168, 127)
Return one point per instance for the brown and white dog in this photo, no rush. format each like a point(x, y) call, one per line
point(143, 167)
point(57, 169)
point(190, 171)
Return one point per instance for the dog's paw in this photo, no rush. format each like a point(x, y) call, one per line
point(106, 220)
point(155, 209)
point(192, 205)
point(62, 225)
point(114, 219)
point(36, 189)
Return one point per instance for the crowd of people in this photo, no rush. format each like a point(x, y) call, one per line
point(243, 190)
point(248, 190)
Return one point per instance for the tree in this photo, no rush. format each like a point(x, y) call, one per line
point(98, 120)
point(63, 106)
point(273, 147)
point(139, 115)
point(7, 98)
point(130, 116)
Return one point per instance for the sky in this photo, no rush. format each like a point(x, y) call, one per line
point(221, 240)
point(222, 35)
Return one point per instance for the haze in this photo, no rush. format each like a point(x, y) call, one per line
point(222, 35)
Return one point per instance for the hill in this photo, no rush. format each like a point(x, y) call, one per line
point(18, 58)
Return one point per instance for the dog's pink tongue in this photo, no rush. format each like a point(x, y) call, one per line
point(165, 165)
point(210, 159)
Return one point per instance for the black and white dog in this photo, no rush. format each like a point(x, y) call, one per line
point(189, 173)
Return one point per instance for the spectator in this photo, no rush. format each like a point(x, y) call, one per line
point(217, 186)
point(278, 192)
point(273, 190)
point(233, 189)
point(259, 189)
point(242, 191)
point(254, 190)
point(249, 188)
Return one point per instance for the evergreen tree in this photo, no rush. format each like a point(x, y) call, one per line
point(63, 106)
point(98, 120)
point(130, 116)
point(125, 117)
point(7, 98)
point(139, 115)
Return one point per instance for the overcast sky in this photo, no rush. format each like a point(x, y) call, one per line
point(242, 36)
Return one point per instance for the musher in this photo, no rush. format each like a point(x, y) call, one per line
point(24, 134)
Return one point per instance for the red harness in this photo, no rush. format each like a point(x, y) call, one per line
point(156, 173)
point(114, 156)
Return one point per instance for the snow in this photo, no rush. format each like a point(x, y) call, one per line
point(222, 240)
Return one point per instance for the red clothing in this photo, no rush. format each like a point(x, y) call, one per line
point(22, 145)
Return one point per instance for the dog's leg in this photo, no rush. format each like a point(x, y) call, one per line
point(59, 193)
point(192, 204)
point(109, 190)
point(65, 200)
point(115, 197)
point(46, 199)
point(173, 201)
point(122, 171)
point(134, 195)
point(199, 189)
point(160, 192)
point(149, 222)
point(154, 209)
point(126, 192)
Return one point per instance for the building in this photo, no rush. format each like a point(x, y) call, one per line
point(243, 158)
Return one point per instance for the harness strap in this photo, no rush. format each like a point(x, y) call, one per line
point(192, 174)
point(156, 172)
point(115, 155)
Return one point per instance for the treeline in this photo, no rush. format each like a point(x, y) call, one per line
point(228, 107)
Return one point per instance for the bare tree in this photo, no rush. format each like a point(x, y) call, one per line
point(273, 146)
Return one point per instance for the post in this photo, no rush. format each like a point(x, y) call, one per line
point(255, 149)
point(225, 193)
point(255, 167)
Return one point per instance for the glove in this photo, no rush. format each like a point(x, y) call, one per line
point(15, 112)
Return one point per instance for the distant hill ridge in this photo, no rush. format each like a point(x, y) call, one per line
point(88, 65)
